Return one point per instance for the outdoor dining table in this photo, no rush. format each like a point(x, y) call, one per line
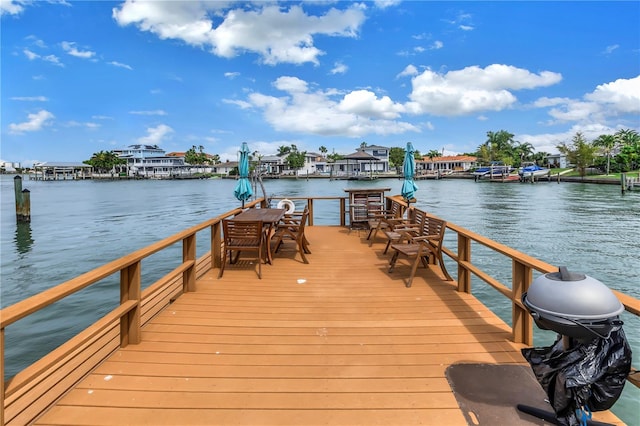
point(269, 217)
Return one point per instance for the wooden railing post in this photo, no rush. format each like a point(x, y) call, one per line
point(2, 375)
point(464, 255)
point(310, 205)
point(216, 245)
point(522, 322)
point(130, 283)
point(343, 211)
point(189, 254)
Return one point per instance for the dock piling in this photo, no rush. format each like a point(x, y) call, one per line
point(23, 201)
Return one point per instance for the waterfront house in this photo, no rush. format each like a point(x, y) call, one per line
point(225, 169)
point(364, 162)
point(445, 164)
point(151, 161)
point(557, 160)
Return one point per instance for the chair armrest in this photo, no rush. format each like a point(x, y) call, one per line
point(424, 237)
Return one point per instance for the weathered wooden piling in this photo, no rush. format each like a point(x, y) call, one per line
point(623, 182)
point(23, 201)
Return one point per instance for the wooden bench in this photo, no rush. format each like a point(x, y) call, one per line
point(425, 246)
point(386, 219)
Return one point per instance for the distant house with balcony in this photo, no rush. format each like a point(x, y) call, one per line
point(366, 160)
point(150, 161)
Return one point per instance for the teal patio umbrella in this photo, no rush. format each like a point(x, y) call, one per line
point(243, 189)
point(409, 188)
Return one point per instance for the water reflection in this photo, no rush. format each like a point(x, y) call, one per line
point(23, 238)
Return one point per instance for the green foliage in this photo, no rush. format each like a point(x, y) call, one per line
point(323, 150)
point(295, 159)
point(105, 161)
point(433, 154)
point(580, 152)
point(196, 156)
point(396, 158)
point(629, 156)
point(335, 157)
point(283, 150)
point(499, 146)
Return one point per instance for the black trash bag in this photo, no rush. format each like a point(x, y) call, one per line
point(590, 374)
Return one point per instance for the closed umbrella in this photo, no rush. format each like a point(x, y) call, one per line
point(243, 189)
point(409, 188)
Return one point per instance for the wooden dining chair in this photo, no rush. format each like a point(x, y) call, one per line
point(242, 236)
point(291, 228)
point(386, 220)
point(423, 248)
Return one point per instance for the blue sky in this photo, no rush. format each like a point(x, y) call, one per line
point(81, 77)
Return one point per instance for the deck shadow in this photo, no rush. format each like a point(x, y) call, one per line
point(488, 394)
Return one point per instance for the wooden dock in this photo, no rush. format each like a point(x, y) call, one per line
point(338, 341)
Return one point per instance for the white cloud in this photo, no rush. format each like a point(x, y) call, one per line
point(88, 125)
point(53, 59)
point(548, 142)
point(473, 89)
point(34, 122)
point(30, 55)
point(120, 65)
point(607, 100)
point(622, 95)
point(71, 49)
point(30, 98)
point(367, 104)
point(11, 7)
point(48, 58)
point(409, 70)
point(278, 34)
point(328, 112)
point(155, 135)
point(231, 75)
point(339, 68)
point(383, 4)
point(154, 112)
point(609, 49)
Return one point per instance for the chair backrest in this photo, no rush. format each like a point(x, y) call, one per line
point(435, 227)
point(242, 234)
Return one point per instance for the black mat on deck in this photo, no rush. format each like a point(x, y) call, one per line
point(488, 394)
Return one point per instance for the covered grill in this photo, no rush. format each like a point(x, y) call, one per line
point(573, 304)
point(586, 368)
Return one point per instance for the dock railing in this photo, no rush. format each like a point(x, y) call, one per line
point(32, 390)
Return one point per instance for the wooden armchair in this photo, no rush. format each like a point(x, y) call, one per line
point(404, 230)
point(423, 247)
point(291, 228)
point(385, 219)
point(242, 236)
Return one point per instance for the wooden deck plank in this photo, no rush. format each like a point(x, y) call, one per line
point(337, 341)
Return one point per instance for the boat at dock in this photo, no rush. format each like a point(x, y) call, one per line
point(494, 170)
point(339, 340)
point(530, 171)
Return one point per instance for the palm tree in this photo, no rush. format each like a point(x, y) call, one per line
point(499, 146)
point(283, 150)
point(630, 148)
point(608, 144)
point(323, 150)
point(524, 151)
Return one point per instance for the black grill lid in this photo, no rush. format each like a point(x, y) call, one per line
point(572, 295)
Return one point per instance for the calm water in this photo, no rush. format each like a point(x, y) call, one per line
point(77, 226)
